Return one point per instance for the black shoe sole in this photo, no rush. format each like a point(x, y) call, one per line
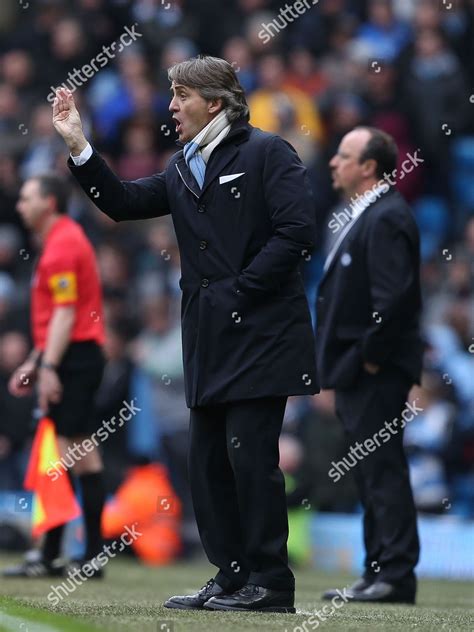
point(95, 577)
point(26, 576)
point(281, 609)
point(33, 576)
point(407, 601)
point(327, 596)
point(181, 606)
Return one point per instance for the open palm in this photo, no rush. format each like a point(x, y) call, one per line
point(66, 119)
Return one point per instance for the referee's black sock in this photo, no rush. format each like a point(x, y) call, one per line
point(93, 498)
point(52, 543)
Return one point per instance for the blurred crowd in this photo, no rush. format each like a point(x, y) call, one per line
point(405, 66)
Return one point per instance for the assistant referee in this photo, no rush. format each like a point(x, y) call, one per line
point(67, 360)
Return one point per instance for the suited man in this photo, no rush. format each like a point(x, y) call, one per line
point(242, 212)
point(370, 351)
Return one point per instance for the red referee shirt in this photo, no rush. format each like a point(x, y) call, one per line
point(67, 274)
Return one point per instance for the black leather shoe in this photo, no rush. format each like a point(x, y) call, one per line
point(360, 584)
point(255, 598)
point(191, 602)
point(383, 592)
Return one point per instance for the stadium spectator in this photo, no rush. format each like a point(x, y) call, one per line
point(267, 102)
point(427, 440)
point(15, 419)
point(383, 33)
point(435, 92)
point(114, 389)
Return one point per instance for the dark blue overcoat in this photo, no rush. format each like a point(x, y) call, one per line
point(246, 325)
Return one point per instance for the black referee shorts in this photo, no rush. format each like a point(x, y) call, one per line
point(80, 373)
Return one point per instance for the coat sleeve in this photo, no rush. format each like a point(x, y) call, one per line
point(392, 268)
point(290, 204)
point(139, 199)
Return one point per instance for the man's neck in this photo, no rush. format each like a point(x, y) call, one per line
point(47, 226)
point(368, 185)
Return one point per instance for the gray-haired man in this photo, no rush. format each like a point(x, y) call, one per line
point(243, 215)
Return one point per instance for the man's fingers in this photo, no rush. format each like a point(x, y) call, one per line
point(19, 380)
point(16, 385)
point(62, 101)
point(71, 104)
point(57, 106)
point(13, 389)
point(60, 393)
point(66, 97)
point(56, 397)
point(56, 394)
point(22, 391)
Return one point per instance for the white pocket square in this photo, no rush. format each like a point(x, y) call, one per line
point(229, 178)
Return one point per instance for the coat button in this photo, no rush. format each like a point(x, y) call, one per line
point(203, 245)
point(320, 299)
point(201, 208)
point(205, 283)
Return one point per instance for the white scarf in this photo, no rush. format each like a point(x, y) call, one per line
point(211, 135)
point(197, 151)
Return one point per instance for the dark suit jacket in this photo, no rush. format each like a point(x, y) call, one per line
point(369, 300)
point(246, 325)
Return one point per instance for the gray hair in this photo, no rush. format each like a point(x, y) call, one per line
point(213, 78)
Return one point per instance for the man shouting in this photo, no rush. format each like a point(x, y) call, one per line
point(243, 215)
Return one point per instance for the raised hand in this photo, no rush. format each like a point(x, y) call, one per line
point(50, 389)
point(67, 121)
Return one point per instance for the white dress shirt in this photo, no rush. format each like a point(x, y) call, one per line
point(83, 157)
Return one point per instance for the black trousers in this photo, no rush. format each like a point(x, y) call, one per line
point(238, 491)
point(390, 530)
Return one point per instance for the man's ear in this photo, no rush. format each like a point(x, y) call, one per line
point(215, 106)
point(52, 203)
point(369, 168)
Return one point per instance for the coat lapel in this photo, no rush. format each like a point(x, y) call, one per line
point(187, 177)
point(222, 155)
point(219, 159)
point(338, 245)
point(346, 230)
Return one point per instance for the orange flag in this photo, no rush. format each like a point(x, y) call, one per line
point(54, 502)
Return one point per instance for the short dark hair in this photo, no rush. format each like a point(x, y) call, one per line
point(52, 184)
point(213, 78)
point(382, 148)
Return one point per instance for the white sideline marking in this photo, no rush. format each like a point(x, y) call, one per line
point(17, 624)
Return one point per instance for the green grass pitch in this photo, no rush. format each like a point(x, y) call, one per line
point(130, 599)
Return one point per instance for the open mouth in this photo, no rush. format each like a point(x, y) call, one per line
point(178, 125)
